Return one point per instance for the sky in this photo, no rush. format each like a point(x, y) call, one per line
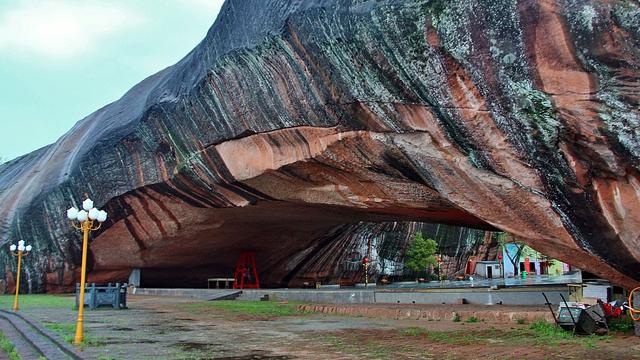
point(60, 60)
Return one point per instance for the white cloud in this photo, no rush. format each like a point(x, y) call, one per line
point(62, 28)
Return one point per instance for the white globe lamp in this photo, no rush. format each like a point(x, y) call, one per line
point(82, 215)
point(102, 216)
point(72, 213)
point(93, 213)
point(87, 204)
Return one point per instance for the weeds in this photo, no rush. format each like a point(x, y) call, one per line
point(453, 337)
point(370, 349)
point(472, 319)
point(545, 333)
point(622, 324)
point(8, 348)
point(538, 333)
point(548, 334)
point(456, 317)
point(414, 331)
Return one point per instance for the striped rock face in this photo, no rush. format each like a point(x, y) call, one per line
point(294, 123)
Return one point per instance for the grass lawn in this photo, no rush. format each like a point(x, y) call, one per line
point(67, 331)
point(38, 301)
point(255, 308)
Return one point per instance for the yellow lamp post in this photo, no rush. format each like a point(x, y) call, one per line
point(22, 250)
point(365, 262)
point(84, 220)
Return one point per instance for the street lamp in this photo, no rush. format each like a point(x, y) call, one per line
point(439, 261)
point(365, 263)
point(83, 220)
point(22, 251)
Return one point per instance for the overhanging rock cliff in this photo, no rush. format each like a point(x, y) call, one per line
point(295, 120)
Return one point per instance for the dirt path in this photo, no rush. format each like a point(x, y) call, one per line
point(176, 328)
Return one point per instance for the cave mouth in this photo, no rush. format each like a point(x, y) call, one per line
point(336, 257)
point(296, 245)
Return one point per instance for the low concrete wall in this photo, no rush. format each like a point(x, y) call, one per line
point(530, 295)
point(483, 296)
point(342, 296)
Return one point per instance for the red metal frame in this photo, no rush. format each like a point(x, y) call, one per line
point(246, 269)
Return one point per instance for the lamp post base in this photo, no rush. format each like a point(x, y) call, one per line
point(79, 333)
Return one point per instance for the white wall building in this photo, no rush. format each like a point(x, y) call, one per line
point(489, 269)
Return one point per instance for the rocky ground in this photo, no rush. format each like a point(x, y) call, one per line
point(176, 328)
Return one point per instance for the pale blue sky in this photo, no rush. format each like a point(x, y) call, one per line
point(60, 60)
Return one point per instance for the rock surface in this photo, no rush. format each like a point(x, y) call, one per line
point(294, 121)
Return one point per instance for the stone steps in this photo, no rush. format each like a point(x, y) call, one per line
point(32, 341)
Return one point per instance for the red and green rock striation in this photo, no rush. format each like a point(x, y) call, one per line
point(294, 121)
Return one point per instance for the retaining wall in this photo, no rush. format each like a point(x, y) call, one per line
point(529, 295)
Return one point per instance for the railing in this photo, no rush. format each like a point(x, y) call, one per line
point(106, 295)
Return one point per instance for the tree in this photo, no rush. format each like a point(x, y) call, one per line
point(504, 239)
point(420, 253)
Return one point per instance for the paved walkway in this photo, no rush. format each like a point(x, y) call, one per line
point(24, 348)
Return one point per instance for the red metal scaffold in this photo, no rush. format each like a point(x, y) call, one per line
point(246, 274)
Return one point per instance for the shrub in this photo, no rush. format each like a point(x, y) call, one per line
point(420, 253)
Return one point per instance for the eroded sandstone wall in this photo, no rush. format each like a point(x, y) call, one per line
point(295, 119)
